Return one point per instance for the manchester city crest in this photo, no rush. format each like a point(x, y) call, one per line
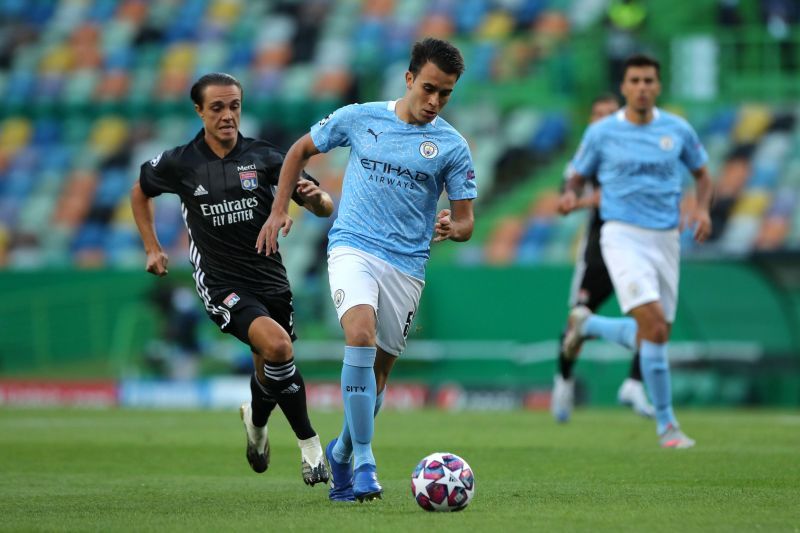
point(428, 150)
point(249, 180)
point(338, 297)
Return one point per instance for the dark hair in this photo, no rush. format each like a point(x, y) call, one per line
point(441, 53)
point(641, 60)
point(605, 97)
point(215, 78)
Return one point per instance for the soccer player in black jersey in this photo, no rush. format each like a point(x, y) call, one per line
point(591, 286)
point(226, 183)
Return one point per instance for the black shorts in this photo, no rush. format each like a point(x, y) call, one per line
point(595, 285)
point(234, 310)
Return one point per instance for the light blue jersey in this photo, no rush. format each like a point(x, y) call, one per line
point(640, 167)
point(394, 177)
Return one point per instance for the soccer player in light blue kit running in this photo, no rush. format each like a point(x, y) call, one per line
point(640, 155)
point(403, 155)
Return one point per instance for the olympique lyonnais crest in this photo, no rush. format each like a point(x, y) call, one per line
point(231, 300)
point(249, 180)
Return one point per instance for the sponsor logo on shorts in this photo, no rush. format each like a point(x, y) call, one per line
point(231, 300)
point(428, 150)
point(338, 298)
point(156, 159)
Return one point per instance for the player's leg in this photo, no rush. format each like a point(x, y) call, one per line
point(255, 416)
point(359, 391)
point(280, 379)
point(590, 288)
point(665, 256)
point(339, 451)
point(654, 334)
point(233, 311)
point(354, 291)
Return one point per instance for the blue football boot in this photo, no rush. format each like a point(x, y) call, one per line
point(341, 477)
point(365, 484)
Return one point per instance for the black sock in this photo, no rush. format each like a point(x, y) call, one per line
point(261, 402)
point(564, 365)
point(636, 369)
point(284, 382)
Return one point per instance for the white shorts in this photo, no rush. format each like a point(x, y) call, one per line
point(643, 265)
point(357, 278)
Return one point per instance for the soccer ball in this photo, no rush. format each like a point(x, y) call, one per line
point(443, 482)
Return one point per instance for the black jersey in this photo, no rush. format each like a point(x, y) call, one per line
point(225, 202)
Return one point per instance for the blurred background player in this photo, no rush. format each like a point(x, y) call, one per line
point(591, 286)
point(639, 155)
point(402, 156)
point(225, 182)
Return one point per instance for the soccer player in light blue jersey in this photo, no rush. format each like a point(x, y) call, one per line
point(403, 155)
point(640, 155)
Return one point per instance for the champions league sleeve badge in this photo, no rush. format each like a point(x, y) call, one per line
point(249, 180)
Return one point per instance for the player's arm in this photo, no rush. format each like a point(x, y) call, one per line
point(314, 198)
point(295, 161)
point(144, 215)
point(455, 223)
point(700, 218)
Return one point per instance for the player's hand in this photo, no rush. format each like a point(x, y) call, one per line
point(308, 191)
point(267, 241)
point(157, 263)
point(700, 220)
point(568, 202)
point(444, 226)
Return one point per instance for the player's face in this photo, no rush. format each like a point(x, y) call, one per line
point(428, 92)
point(602, 109)
point(221, 111)
point(641, 87)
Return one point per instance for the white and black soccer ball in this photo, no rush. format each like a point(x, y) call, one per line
point(443, 482)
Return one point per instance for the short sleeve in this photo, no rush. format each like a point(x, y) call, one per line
point(334, 130)
point(587, 157)
point(460, 178)
point(693, 153)
point(156, 177)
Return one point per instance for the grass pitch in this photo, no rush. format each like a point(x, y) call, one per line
point(122, 470)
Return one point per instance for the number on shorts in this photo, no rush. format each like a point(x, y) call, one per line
point(409, 318)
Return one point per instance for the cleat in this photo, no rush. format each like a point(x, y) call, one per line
point(631, 393)
point(562, 398)
point(365, 484)
point(257, 441)
point(312, 462)
point(341, 477)
point(673, 437)
point(573, 337)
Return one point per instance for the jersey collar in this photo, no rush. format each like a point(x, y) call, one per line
point(391, 105)
point(621, 115)
point(200, 143)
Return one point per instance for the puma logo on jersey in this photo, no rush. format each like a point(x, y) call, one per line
point(200, 191)
point(374, 134)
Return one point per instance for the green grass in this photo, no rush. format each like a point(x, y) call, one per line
point(67, 470)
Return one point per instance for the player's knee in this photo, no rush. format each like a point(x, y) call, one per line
point(657, 332)
point(360, 337)
point(274, 350)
